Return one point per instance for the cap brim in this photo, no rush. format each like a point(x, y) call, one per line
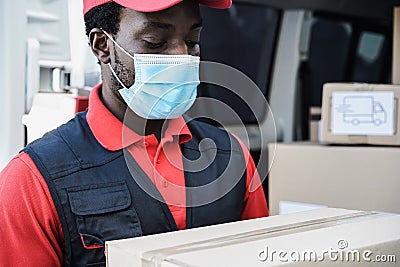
point(154, 5)
point(217, 3)
point(147, 5)
point(157, 5)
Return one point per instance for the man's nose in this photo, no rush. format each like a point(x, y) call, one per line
point(179, 48)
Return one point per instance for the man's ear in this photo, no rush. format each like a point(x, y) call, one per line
point(98, 42)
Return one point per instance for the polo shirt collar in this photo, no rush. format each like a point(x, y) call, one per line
point(113, 135)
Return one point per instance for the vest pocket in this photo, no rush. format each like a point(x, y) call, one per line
point(103, 212)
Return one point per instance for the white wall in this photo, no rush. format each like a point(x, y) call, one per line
point(12, 77)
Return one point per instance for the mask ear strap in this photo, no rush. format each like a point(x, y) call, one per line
point(120, 47)
point(115, 75)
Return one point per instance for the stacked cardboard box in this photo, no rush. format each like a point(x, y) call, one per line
point(351, 177)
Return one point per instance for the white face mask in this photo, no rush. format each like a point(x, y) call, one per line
point(165, 86)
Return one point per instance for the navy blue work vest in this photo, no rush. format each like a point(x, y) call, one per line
point(98, 198)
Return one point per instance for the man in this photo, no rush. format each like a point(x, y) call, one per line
point(131, 165)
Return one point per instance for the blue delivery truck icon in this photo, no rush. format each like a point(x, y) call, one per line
point(362, 109)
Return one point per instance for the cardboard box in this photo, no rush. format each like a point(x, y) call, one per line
point(350, 177)
point(360, 114)
point(300, 239)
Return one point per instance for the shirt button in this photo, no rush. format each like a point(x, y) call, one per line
point(165, 184)
point(146, 144)
point(158, 161)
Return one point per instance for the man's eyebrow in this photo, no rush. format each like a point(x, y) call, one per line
point(159, 25)
point(167, 26)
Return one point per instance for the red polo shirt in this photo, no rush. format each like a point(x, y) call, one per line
point(30, 230)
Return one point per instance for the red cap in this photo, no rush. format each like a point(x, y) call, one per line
point(152, 5)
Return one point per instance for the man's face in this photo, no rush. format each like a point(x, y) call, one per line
point(172, 31)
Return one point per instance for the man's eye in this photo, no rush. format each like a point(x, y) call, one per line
point(152, 45)
point(191, 44)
